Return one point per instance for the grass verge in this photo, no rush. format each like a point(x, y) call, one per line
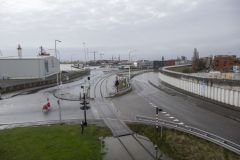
point(182, 146)
point(55, 142)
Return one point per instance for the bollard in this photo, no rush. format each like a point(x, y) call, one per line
point(82, 127)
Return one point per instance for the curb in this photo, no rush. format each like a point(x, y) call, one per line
point(122, 92)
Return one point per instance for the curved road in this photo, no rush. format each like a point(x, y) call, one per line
point(177, 107)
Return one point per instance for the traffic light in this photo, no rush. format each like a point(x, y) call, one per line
point(82, 103)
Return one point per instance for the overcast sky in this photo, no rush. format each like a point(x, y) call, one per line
point(151, 28)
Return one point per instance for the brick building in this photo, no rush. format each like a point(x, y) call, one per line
point(224, 62)
point(170, 62)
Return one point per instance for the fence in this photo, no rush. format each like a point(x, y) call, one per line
point(202, 87)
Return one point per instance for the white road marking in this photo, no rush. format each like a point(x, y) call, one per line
point(151, 103)
point(171, 117)
point(175, 120)
point(164, 112)
point(167, 114)
point(181, 123)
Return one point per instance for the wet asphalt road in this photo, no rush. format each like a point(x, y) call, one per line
point(28, 108)
point(176, 107)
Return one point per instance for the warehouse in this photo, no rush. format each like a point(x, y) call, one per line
point(38, 67)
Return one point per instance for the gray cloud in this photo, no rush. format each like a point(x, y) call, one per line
point(153, 28)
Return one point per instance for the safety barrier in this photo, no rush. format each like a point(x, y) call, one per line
point(194, 131)
point(201, 87)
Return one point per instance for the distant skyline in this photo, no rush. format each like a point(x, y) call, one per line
point(168, 28)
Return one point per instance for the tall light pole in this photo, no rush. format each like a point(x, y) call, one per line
point(55, 50)
point(58, 101)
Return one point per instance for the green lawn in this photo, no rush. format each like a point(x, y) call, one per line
point(55, 142)
point(181, 146)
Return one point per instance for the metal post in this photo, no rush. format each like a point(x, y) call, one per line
point(85, 105)
point(157, 124)
point(59, 109)
point(156, 149)
point(55, 50)
point(89, 87)
point(58, 101)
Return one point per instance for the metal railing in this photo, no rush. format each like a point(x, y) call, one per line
point(194, 131)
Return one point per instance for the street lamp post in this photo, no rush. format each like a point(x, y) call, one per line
point(58, 101)
point(55, 49)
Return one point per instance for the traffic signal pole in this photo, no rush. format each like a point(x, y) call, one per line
point(85, 106)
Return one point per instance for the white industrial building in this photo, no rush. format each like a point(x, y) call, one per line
point(20, 67)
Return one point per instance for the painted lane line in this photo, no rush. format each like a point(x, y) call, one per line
point(167, 114)
point(164, 112)
point(181, 123)
point(171, 117)
point(175, 120)
point(151, 103)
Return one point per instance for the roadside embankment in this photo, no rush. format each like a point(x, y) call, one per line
point(183, 146)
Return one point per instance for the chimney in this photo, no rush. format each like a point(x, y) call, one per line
point(19, 51)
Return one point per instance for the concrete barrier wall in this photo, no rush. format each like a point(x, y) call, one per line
point(216, 93)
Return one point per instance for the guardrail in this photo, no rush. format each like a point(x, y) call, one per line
point(194, 131)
